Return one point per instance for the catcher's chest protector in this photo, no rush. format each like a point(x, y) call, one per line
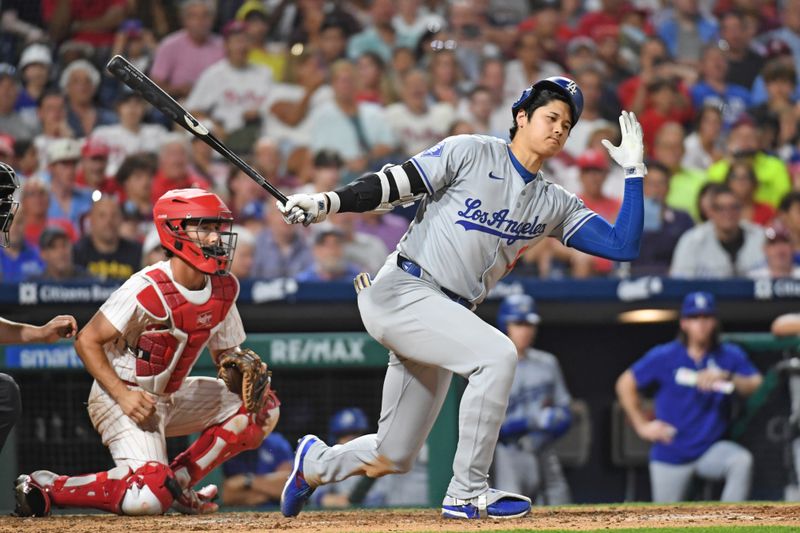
point(169, 346)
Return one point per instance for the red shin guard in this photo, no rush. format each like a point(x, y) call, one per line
point(216, 445)
point(150, 489)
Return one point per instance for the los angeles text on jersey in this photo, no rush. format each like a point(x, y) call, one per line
point(497, 222)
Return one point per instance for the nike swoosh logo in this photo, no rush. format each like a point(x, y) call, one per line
point(494, 177)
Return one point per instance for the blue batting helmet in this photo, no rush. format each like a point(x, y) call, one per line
point(517, 308)
point(559, 84)
point(347, 421)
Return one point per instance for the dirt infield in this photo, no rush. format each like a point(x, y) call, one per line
point(573, 518)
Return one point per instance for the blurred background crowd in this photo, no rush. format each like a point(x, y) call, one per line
point(313, 93)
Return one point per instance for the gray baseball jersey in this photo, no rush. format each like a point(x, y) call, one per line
point(481, 211)
point(538, 383)
point(480, 216)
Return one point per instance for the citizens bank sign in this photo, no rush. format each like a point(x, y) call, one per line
point(34, 293)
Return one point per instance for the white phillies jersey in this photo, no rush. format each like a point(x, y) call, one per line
point(125, 313)
point(124, 142)
point(480, 215)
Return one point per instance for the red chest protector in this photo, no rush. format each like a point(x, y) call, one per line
point(168, 349)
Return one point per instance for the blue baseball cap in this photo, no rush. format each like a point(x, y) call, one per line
point(517, 309)
point(698, 303)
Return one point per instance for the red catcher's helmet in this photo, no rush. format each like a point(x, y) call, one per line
point(180, 208)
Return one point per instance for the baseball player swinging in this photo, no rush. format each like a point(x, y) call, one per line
point(139, 347)
point(61, 326)
point(483, 202)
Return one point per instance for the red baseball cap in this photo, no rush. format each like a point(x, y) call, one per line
point(604, 31)
point(593, 159)
point(777, 233)
point(95, 148)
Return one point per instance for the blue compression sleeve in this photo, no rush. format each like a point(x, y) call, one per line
point(513, 428)
point(621, 241)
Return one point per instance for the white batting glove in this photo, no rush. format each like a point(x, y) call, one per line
point(630, 152)
point(308, 208)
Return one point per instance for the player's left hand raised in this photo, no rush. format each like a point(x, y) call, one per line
point(630, 152)
point(60, 327)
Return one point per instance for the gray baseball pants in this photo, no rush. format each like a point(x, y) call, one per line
point(430, 338)
point(724, 460)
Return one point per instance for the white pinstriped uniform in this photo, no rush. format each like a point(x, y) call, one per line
point(198, 403)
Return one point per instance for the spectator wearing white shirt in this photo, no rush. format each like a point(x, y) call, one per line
point(130, 136)
point(529, 66)
point(290, 105)
point(232, 91)
point(358, 131)
point(724, 247)
point(415, 124)
point(590, 80)
point(703, 147)
point(412, 21)
point(53, 116)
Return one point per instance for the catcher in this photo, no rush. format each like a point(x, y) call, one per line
point(140, 347)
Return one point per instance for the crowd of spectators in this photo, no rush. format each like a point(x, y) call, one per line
point(313, 93)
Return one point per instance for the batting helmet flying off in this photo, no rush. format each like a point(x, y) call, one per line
point(349, 421)
point(559, 84)
point(8, 206)
point(515, 309)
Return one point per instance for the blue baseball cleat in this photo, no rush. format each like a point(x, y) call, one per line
point(296, 491)
point(491, 504)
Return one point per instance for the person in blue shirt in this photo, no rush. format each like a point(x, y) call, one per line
point(695, 376)
point(18, 260)
point(713, 89)
point(256, 477)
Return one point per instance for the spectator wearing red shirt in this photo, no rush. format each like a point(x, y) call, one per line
point(89, 21)
point(35, 203)
point(654, 63)
point(183, 55)
point(741, 179)
point(594, 167)
point(609, 14)
point(547, 22)
point(92, 169)
point(608, 52)
point(173, 168)
point(666, 104)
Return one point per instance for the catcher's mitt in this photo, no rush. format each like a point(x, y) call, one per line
point(246, 375)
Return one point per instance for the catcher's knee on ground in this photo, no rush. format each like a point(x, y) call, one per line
point(148, 490)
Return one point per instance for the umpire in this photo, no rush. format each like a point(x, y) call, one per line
point(696, 376)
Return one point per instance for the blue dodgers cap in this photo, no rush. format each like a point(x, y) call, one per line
point(348, 421)
point(515, 309)
point(559, 84)
point(698, 303)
